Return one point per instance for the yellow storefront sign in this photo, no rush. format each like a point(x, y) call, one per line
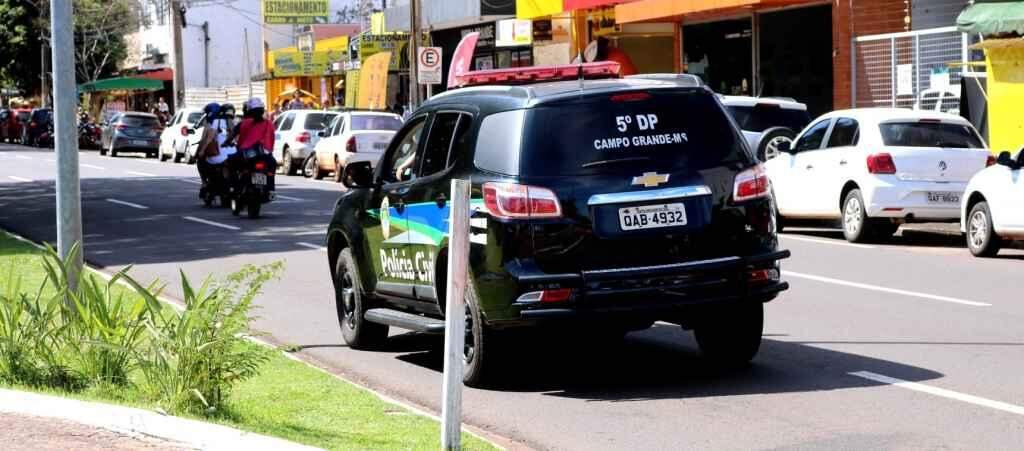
point(532, 9)
point(277, 12)
point(296, 64)
point(373, 81)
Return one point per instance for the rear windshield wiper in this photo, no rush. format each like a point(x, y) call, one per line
point(616, 160)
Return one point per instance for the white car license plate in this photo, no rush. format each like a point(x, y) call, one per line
point(139, 142)
point(943, 197)
point(259, 179)
point(379, 146)
point(652, 216)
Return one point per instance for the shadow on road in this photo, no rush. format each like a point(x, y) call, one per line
point(116, 234)
point(663, 363)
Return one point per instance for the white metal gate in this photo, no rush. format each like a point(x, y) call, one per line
point(890, 70)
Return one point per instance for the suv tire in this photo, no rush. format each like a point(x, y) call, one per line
point(351, 304)
point(339, 171)
point(857, 227)
point(731, 337)
point(480, 350)
point(287, 165)
point(767, 147)
point(981, 238)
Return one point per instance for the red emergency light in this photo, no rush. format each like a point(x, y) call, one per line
point(536, 74)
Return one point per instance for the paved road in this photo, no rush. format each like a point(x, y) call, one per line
point(911, 344)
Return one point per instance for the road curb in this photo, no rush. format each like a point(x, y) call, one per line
point(127, 420)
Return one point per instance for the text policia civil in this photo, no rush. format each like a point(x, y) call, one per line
point(640, 122)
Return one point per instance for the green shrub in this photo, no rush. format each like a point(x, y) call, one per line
point(195, 357)
point(79, 331)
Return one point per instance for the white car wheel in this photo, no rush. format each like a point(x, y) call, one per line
point(981, 238)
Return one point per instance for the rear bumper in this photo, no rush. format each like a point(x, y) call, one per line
point(655, 292)
point(909, 200)
point(140, 144)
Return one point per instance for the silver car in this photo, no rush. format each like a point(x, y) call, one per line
point(131, 132)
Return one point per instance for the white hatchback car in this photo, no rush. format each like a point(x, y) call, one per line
point(353, 136)
point(767, 122)
point(175, 139)
point(876, 169)
point(296, 133)
point(993, 207)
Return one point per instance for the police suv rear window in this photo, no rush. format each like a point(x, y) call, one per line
point(654, 131)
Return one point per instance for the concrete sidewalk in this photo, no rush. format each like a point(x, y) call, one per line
point(32, 421)
point(29, 433)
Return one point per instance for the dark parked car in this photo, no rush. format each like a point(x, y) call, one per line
point(131, 132)
point(602, 204)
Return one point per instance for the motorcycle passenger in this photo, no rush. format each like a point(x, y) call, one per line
point(214, 134)
point(256, 131)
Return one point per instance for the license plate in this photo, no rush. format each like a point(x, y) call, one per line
point(943, 197)
point(380, 146)
point(139, 142)
point(259, 179)
point(652, 216)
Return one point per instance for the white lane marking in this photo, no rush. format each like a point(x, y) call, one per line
point(824, 241)
point(194, 182)
point(212, 223)
point(128, 204)
point(144, 174)
point(971, 399)
point(311, 245)
point(149, 162)
point(49, 160)
point(22, 157)
point(295, 199)
point(20, 179)
point(884, 289)
point(92, 166)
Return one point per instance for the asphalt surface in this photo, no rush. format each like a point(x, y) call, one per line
point(908, 344)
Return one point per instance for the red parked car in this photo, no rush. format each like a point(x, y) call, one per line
point(12, 124)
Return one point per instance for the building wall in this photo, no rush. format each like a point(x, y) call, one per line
point(852, 18)
point(925, 14)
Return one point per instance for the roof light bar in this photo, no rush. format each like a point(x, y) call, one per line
point(524, 75)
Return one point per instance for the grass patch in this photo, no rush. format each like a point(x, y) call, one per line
point(283, 398)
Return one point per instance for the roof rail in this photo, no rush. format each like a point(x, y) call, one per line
point(682, 79)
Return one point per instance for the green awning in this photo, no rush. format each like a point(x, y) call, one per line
point(992, 17)
point(122, 84)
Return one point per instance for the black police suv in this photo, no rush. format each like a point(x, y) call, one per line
point(604, 204)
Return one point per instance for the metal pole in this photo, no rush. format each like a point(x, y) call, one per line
point(42, 75)
point(454, 318)
point(414, 35)
point(65, 99)
point(917, 66)
point(892, 72)
point(179, 57)
point(206, 54)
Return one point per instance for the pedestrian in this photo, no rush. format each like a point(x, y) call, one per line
point(296, 103)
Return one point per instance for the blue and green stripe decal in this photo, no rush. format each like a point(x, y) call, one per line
point(420, 223)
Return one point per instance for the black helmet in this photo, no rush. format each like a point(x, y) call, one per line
point(227, 111)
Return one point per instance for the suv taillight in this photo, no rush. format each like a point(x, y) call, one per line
point(881, 163)
point(750, 184)
point(303, 137)
point(184, 131)
point(991, 161)
point(350, 146)
point(511, 200)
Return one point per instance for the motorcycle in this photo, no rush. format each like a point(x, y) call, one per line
point(88, 135)
point(253, 181)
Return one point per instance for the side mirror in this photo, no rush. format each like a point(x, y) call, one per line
point(1005, 159)
point(358, 175)
point(321, 133)
point(786, 147)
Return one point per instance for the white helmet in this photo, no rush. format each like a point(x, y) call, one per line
point(254, 103)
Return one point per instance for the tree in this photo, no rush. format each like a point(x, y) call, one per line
point(100, 27)
point(20, 52)
point(359, 13)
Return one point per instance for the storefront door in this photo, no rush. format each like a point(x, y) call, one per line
point(797, 65)
point(722, 54)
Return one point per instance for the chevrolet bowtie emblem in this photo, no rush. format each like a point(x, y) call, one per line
point(650, 179)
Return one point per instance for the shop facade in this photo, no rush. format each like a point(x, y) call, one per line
point(784, 48)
